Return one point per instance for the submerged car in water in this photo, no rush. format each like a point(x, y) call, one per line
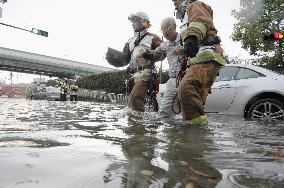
point(247, 91)
point(47, 93)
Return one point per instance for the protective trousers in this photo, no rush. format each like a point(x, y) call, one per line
point(137, 96)
point(167, 99)
point(193, 90)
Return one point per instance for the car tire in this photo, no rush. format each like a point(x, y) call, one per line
point(268, 110)
point(32, 97)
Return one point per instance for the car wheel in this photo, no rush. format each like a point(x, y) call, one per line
point(268, 110)
point(45, 97)
point(32, 97)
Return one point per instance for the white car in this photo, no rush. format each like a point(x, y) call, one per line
point(47, 93)
point(247, 91)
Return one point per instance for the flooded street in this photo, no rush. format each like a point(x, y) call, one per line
point(86, 144)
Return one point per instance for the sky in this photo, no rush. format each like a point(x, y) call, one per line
point(83, 30)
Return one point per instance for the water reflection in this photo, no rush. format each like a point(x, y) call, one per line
point(166, 155)
point(85, 144)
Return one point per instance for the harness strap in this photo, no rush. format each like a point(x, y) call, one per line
point(137, 42)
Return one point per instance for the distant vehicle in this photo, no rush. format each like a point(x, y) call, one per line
point(247, 91)
point(47, 93)
point(11, 91)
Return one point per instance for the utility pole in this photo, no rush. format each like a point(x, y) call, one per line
point(161, 68)
point(11, 77)
point(281, 53)
point(1, 9)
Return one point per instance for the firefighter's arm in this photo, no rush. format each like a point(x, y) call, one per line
point(155, 54)
point(126, 51)
point(200, 17)
point(159, 53)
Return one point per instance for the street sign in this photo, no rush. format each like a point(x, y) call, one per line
point(39, 32)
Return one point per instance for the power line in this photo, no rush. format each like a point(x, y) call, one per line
point(14, 27)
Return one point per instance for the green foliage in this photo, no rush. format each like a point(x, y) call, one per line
point(257, 18)
point(52, 82)
point(111, 82)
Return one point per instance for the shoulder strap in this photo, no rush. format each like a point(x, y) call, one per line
point(137, 41)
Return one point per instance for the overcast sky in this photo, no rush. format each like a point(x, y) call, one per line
point(82, 30)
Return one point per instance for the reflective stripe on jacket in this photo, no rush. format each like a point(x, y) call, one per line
point(205, 54)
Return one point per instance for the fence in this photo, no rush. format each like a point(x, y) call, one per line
point(101, 96)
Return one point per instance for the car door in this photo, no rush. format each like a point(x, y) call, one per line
point(36, 94)
point(39, 94)
point(247, 78)
point(42, 93)
point(223, 90)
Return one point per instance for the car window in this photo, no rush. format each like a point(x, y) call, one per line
point(53, 89)
point(227, 73)
point(245, 73)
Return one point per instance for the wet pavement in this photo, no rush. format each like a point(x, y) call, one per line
point(86, 144)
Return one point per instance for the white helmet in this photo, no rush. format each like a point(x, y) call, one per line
point(139, 16)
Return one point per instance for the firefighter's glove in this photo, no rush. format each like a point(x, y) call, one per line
point(191, 46)
point(148, 55)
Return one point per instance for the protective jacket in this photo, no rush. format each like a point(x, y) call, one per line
point(141, 41)
point(200, 24)
point(64, 88)
point(73, 90)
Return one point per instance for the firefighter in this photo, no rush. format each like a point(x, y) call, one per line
point(73, 91)
point(205, 56)
point(174, 53)
point(63, 90)
point(141, 69)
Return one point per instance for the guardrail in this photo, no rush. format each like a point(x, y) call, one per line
point(101, 96)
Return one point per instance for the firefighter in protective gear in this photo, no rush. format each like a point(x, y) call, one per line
point(142, 68)
point(64, 90)
point(73, 92)
point(205, 56)
point(174, 53)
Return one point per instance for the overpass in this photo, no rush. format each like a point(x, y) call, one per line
point(31, 63)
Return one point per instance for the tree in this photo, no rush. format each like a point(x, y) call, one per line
point(52, 82)
point(257, 18)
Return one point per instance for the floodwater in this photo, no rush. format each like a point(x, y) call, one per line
point(53, 144)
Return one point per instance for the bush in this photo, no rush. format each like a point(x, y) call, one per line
point(111, 82)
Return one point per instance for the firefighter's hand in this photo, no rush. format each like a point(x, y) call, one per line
point(148, 55)
point(145, 55)
point(140, 55)
point(191, 46)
